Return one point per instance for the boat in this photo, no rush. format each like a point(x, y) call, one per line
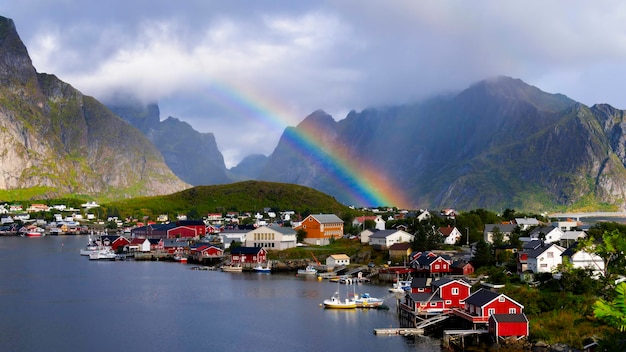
point(309, 270)
point(401, 286)
point(262, 269)
point(180, 258)
point(103, 254)
point(34, 234)
point(232, 268)
point(367, 301)
point(335, 302)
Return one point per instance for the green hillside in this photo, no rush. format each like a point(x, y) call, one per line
point(248, 196)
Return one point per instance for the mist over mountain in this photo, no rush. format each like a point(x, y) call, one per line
point(57, 141)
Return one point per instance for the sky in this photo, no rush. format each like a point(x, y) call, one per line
point(245, 70)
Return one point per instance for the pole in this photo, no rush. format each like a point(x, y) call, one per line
point(467, 232)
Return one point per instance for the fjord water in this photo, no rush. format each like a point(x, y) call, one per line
point(53, 299)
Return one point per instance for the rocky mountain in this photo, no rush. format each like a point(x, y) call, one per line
point(192, 156)
point(55, 141)
point(249, 168)
point(499, 143)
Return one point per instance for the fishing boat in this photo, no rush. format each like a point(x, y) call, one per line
point(309, 270)
point(335, 302)
point(262, 269)
point(103, 254)
point(367, 301)
point(232, 268)
point(180, 258)
point(401, 286)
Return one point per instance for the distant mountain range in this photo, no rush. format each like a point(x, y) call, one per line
point(500, 143)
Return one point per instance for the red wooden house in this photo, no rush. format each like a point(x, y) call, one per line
point(422, 304)
point(430, 264)
point(462, 268)
point(484, 303)
point(506, 325)
point(452, 292)
point(240, 255)
point(421, 285)
point(182, 232)
point(198, 225)
point(114, 241)
point(207, 252)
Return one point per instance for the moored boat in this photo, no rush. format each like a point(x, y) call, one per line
point(309, 270)
point(401, 286)
point(103, 254)
point(367, 301)
point(335, 302)
point(262, 269)
point(232, 268)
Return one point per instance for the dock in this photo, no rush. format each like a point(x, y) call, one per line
point(399, 331)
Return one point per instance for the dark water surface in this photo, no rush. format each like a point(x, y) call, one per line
point(53, 299)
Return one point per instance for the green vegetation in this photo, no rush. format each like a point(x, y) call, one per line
point(248, 196)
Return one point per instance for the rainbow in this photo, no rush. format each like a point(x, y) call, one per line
point(359, 182)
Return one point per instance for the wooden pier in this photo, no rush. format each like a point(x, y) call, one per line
point(457, 337)
point(399, 331)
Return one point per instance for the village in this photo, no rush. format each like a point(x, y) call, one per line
point(438, 288)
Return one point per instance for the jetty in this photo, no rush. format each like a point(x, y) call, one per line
point(399, 331)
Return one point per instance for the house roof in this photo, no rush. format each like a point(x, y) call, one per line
point(326, 218)
point(386, 233)
point(445, 281)
point(534, 253)
point(573, 235)
point(339, 256)
point(538, 230)
point(483, 296)
point(421, 282)
point(246, 250)
point(527, 221)
point(510, 318)
point(403, 246)
point(446, 231)
point(190, 223)
point(280, 229)
point(504, 228)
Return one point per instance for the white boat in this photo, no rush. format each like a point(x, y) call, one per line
point(90, 248)
point(335, 302)
point(180, 258)
point(367, 301)
point(103, 254)
point(309, 270)
point(232, 268)
point(401, 286)
point(262, 269)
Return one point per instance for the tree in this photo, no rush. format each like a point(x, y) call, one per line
point(483, 255)
point(613, 313)
point(300, 235)
point(611, 248)
point(497, 237)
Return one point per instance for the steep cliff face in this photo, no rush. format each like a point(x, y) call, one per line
point(192, 156)
point(62, 142)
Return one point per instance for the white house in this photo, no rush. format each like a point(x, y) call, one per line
point(545, 259)
point(365, 235)
point(451, 235)
point(550, 234)
point(334, 260)
point(229, 236)
point(567, 225)
point(526, 223)
point(272, 237)
point(581, 259)
point(385, 238)
point(571, 237)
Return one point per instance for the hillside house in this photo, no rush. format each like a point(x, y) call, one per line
point(581, 259)
point(545, 258)
point(365, 235)
point(429, 264)
point(386, 238)
point(548, 234)
point(526, 223)
point(451, 235)
point(505, 229)
point(400, 252)
point(461, 267)
point(271, 237)
point(321, 228)
point(571, 237)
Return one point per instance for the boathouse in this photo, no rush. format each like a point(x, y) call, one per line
point(508, 325)
point(242, 255)
point(483, 303)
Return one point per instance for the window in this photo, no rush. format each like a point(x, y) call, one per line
point(433, 304)
point(448, 302)
point(501, 299)
point(455, 291)
point(550, 255)
point(512, 311)
point(436, 266)
point(491, 311)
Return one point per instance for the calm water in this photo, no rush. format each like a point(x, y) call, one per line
point(53, 299)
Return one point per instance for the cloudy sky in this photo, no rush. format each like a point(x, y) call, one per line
point(244, 70)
